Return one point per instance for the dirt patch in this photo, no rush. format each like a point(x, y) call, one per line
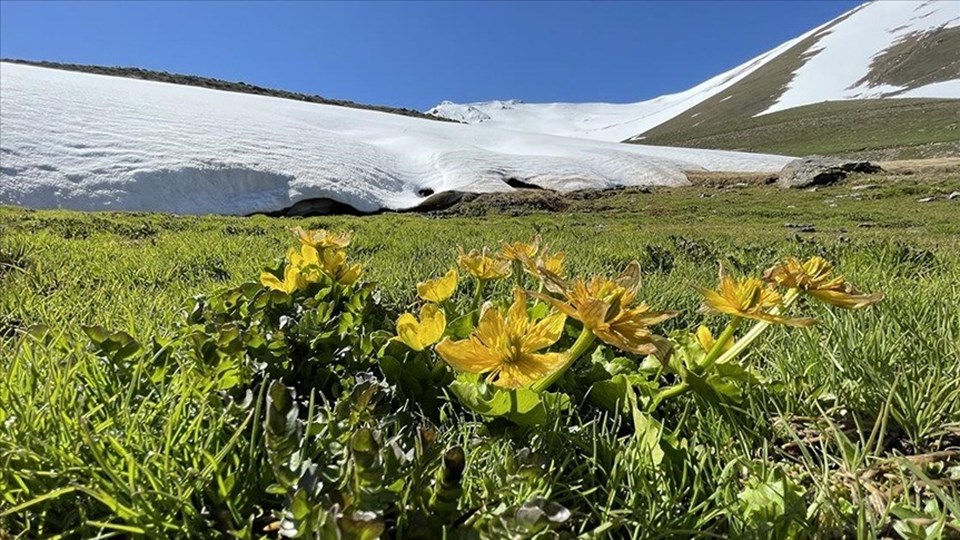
point(729, 179)
point(510, 203)
point(948, 165)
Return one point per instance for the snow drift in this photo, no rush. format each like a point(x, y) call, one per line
point(833, 68)
point(92, 142)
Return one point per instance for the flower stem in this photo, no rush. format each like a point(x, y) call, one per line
point(752, 334)
point(477, 295)
point(670, 392)
point(584, 341)
point(722, 340)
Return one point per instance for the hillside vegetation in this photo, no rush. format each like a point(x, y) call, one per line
point(132, 406)
point(871, 129)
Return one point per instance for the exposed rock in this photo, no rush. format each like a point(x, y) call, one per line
point(801, 227)
point(954, 195)
point(821, 171)
point(927, 199)
point(516, 183)
point(316, 207)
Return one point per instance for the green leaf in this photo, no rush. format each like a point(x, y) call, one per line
point(522, 406)
point(461, 327)
point(117, 346)
point(282, 434)
point(773, 505)
point(648, 433)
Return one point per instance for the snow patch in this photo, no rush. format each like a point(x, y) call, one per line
point(91, 142)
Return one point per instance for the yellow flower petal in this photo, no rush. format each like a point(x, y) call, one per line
point(815, 278)
point(293, 280)
point(408, 331)
point(705, 338)
point(526, 369)
point(519, 251)
point(553, 263)
point(504, 346)
point(483, 267)
point(439, 290)
point(322, 239)
point(271, 282)
point(544, 332)
point(418, 335)
point(749, 298)
point(467, 355)
point(604, 307)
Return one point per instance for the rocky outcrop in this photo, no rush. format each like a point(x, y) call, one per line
point(821, 171)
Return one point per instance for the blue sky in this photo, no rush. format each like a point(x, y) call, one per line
point(417, 54)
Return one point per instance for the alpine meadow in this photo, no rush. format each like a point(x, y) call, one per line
point(229, 310)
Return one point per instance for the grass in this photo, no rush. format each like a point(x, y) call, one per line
point(873, 129)
point(856, 434)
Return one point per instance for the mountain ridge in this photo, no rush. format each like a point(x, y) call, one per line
point(876, 51)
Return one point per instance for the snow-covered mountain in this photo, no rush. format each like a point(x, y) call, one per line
point(882, 49)
point(95, 142)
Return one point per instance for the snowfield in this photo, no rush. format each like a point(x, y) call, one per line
point(92, 142)
point(835, 64)
point(841, 58)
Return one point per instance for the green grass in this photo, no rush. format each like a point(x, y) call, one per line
point(92, 447)
point(875, 129)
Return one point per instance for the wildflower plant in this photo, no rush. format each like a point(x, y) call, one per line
point(507, 357)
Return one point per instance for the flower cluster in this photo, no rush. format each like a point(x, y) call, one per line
point(321, 254)
point(499, 354)
point(507, 344)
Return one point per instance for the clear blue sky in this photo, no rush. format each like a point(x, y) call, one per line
point(417, 54)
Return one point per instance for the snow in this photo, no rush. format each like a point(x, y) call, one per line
point(600, 121)
point(942, 90)
point(93, 142)
point(839, 59)
point(842, 56)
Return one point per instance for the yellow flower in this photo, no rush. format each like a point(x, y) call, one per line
point(322, 239)
point(518, 251)
point(706, 341)
point(293, 280)
point(507, 347)
point(815, 277)
point(332, 262)
point(482, 266)
point(418, 335)
point(603, 306)
point(440, 289)
point(552, 262)
point(749, 298)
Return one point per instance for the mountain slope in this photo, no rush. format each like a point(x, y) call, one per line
point(95, 142)
point(875, 52)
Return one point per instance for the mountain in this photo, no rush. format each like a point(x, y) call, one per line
point(96, 142)
point(901, 58)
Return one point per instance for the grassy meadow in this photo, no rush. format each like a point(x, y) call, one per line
point(130, 408)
